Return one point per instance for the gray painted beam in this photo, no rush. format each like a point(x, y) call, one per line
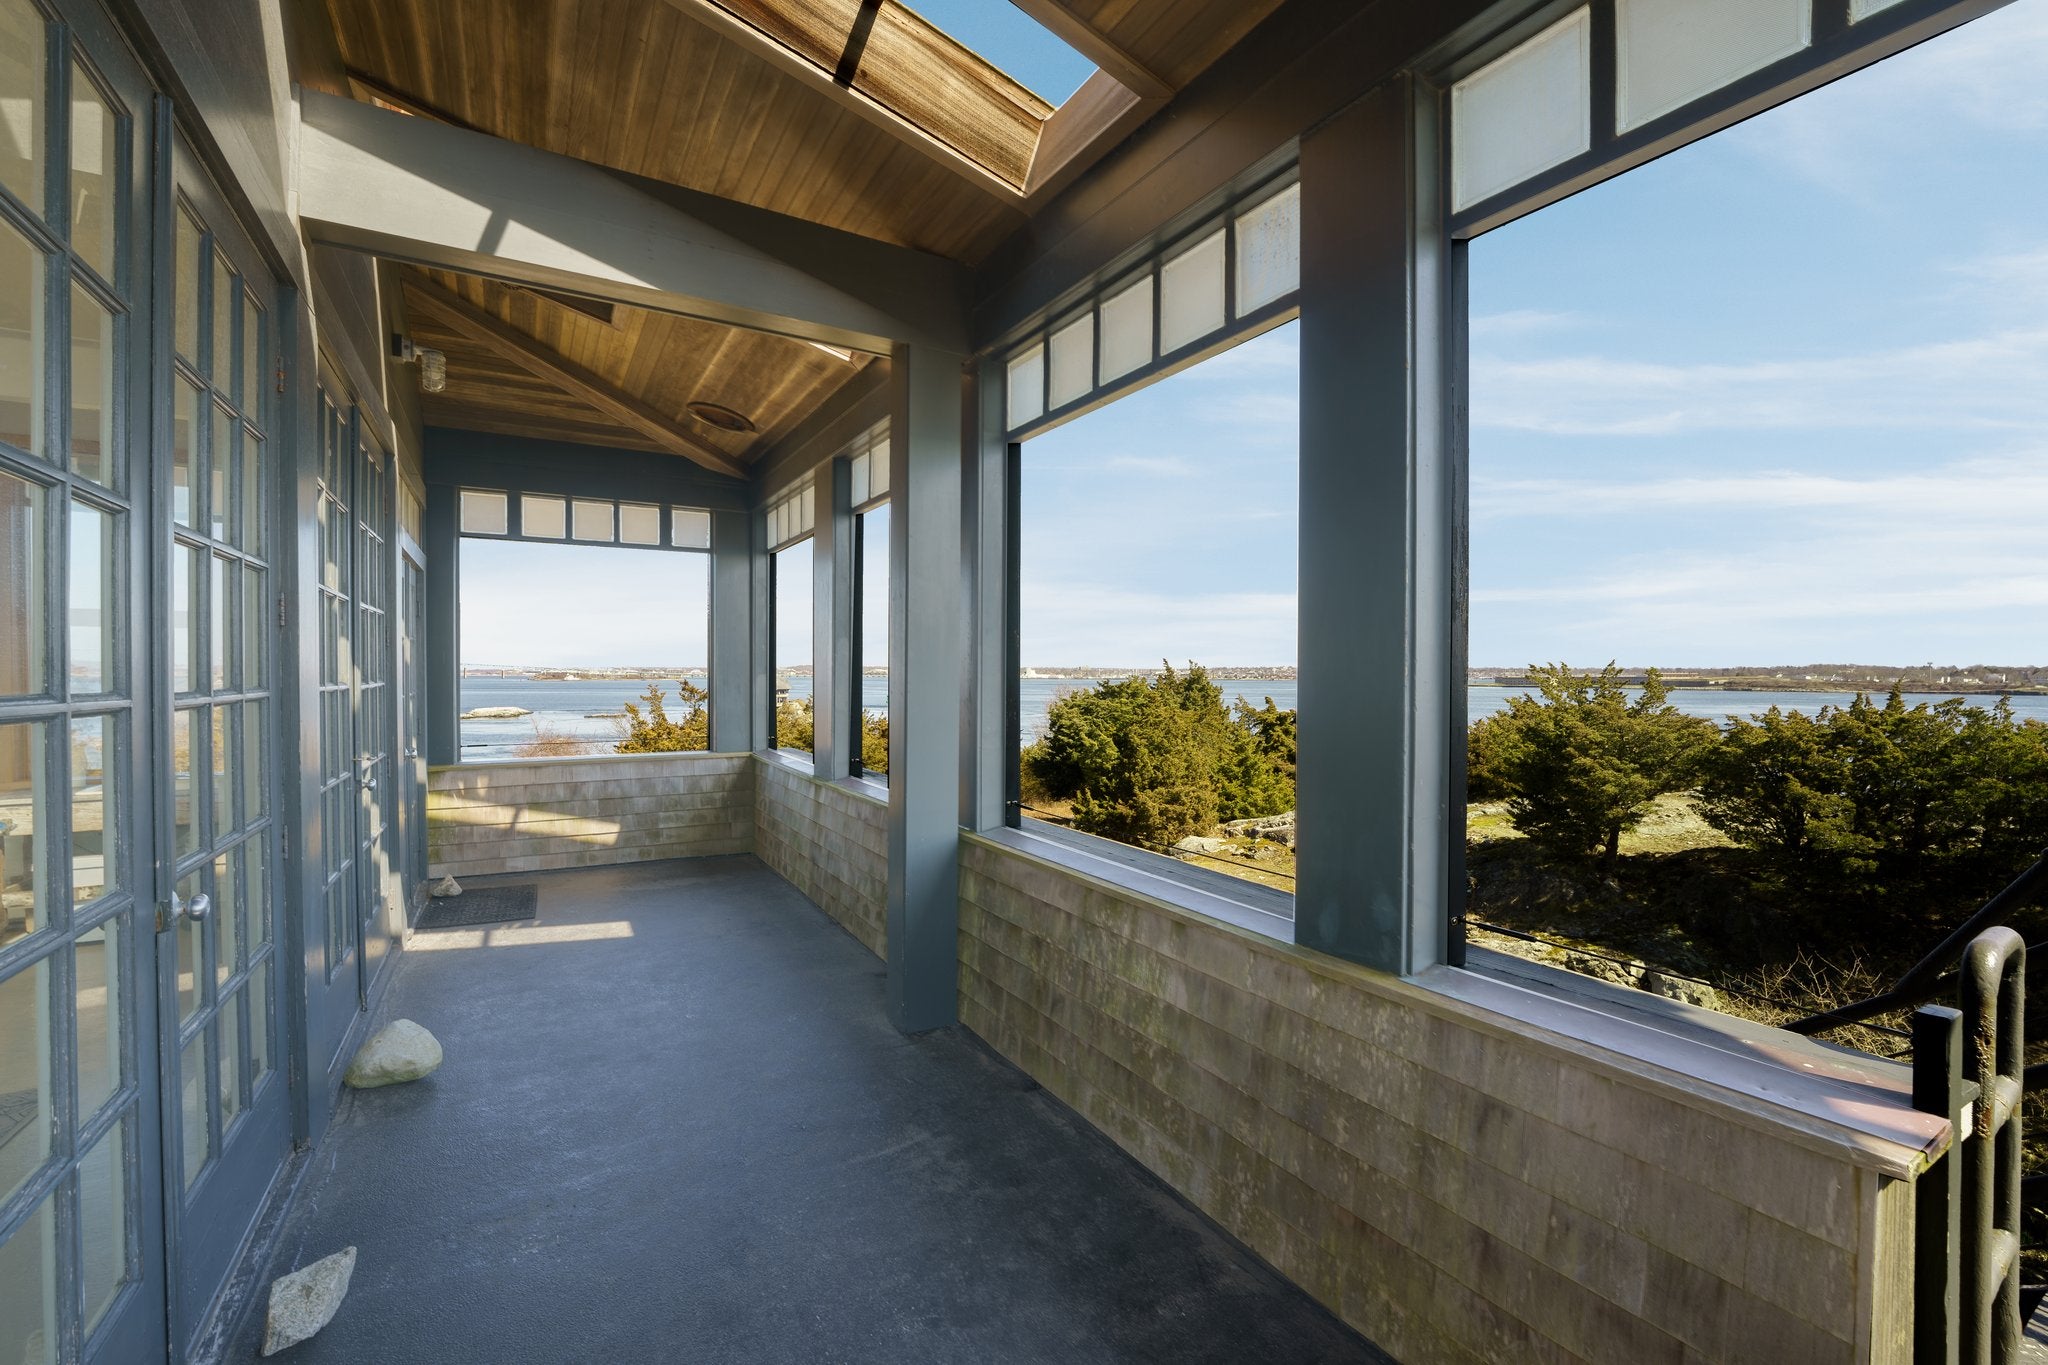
point(414, 190)
point(443, 700)
point(732, 655)
point(1377, 601)
point(986, 740)
point(926, 638)
point(833, 670)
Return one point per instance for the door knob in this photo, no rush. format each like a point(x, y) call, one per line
point(199, 907)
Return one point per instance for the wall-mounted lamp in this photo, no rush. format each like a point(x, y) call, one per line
point(433, 365)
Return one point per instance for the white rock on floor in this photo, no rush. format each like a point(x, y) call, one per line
point(445, 888)
point(306, 1300)
point(400, 1051)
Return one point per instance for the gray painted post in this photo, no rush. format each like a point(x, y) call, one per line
point(985, 736)
point(732, 632)
point(442, 540)
point(1378, 603)
point(926, 638)
point(832, 663)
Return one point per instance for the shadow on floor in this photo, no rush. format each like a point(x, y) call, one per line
point(674, 1124)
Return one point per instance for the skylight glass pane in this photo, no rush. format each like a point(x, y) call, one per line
point(1863, 9)
point(593, 520)
point(1013, 42)
point(689, 529)
point(483, 514)
point(1269, 250)
point(639, 524)
point(1191, 294)
point(543, 518)
point(1523, 113)
point(1027, 386)
point(1127, 330)
point(1073, 360)
point(1669, 53)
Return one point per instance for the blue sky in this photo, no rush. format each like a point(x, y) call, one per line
point(1012, 41)
point(583, 605)
point(1780, 397)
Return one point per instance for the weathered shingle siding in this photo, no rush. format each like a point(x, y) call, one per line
point(526, 817)
point(1455, 1192)
point(831, 843)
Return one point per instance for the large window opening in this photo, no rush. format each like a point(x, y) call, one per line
point(791, 568)
point(871, 605)
point(1157, 613)
point(1758, 462)
point(571, 650)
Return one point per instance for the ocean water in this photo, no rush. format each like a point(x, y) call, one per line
point(577, 709)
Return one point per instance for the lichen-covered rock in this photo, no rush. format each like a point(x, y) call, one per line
point(1681, 988)
point(306, 1300)
point(400, 1051)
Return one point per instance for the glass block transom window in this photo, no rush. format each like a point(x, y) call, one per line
point(489, 512)
point(1244, 267)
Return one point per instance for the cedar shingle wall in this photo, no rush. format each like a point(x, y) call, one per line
point(829, 842)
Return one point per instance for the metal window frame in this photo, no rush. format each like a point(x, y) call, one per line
point(515, 520)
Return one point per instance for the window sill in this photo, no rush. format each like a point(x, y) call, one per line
point(1241, 904)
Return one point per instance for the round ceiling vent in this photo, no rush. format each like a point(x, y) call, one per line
point(720, 416)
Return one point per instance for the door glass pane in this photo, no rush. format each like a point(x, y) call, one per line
point(220, 466)
point(252, 493)
point(21, 586)
point(21, 357)
point(230, 1023)
point(28, 1290)
point(222, 371)
point(252, 738)
point(100, 1013)
point(255, 855)
point(184, 451)
point(184, 819)
point(255, 620)
point(92, 387)
point(21, 119)
point(192, 1105)
point(252, 354)
point(227, 919)
point(221, 771)
point(191, 937)
point(24, 815)
point(186, 305)
point(217, 637)
point(25, 1100)
point(95, 172)
point(184, 635)
point(259, 1016)
point(92, 597)
point(103, 1221)
point(95, 810)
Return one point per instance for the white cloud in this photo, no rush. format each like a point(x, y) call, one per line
point(1985, 382)
point(1520, 322)
point(2003, 492)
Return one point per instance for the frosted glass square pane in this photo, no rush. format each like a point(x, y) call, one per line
point(544, 518)
point(483, 514)
point(1127, 330)
point(593, 520)
point(639, 523)
point(21, 101)
point(878, 469)
point(689, 528)
point(1027, 386)
point(806, 511)
point(1073, 360)
point(857, 478)
point(1863, 9)
point(1191, 294)
point(21, 355)
point(1269, 250)
point(1669, 53)
point(1522, 113)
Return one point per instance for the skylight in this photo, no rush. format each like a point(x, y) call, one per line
point(1013, 42)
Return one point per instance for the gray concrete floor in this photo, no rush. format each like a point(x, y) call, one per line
point(674, 1124)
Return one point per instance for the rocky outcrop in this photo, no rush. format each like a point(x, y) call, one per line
point(495, 713)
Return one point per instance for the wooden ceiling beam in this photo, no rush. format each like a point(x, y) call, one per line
point(496, 336)
point(1098, 47)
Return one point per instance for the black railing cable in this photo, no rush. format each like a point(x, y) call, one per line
point(1925, 977)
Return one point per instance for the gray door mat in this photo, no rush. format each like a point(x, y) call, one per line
point(481, 905)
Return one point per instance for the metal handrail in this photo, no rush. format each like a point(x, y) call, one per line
point(1924, 979)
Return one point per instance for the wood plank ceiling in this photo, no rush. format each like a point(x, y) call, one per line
point(855, 114)
point(657, 361)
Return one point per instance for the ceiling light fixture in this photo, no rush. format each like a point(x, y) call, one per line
point(719, 416)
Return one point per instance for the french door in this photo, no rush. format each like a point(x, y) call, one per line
point(227, 1116)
